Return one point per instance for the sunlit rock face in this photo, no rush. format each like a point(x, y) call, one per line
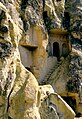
point(66, 79)
point(53, 13)
point(53, 106)
point(43, 13)
point(15, 80)
point(74, 9)
point(38, 18)
point(23, 24)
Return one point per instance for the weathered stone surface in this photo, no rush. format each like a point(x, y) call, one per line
point(24, 96)
point(74, 9)
point(70, 72)
point(22, 23)
point(53, 106)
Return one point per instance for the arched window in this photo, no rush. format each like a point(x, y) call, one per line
point(56, 50)
point(64, 49)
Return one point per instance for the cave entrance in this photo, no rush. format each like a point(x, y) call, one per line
point(56, 51)
point(71, 101)
point(45, 15)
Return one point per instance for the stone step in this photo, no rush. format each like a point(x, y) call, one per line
point(54, 68)
point(47, 77)
point(48, 74)
point(51, 71)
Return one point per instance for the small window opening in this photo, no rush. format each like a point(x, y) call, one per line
point(58, 0)
point(45, 15)
point(24, 4)
point(65, 1)
point(66, 15)
point(66, 20)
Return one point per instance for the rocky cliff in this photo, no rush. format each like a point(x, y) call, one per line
point(24, 59)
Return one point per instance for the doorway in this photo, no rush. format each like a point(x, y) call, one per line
point(56, 51)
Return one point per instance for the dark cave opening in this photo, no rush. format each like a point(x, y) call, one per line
point(58, 0)
point(23, 4)
point(45, 15)
point(71, 101)
point(66, 20)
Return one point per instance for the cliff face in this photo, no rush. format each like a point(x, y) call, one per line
point(74, 10)
point(14, 79)
point(66, 77)
point(24, 39)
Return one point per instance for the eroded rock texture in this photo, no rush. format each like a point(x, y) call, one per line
point(74, 10)
point(24, 38)
point(18, 87)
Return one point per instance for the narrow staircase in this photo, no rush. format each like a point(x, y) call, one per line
point(50, 72)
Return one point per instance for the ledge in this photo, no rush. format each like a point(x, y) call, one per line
point(58, 31)
point(29, 46)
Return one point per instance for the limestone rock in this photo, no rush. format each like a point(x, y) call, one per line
point(75, 18)
point(18, 87)
point(71, 84)
point(24, 96)
point(53, 106)
point(25, 24)
point(45, 90)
